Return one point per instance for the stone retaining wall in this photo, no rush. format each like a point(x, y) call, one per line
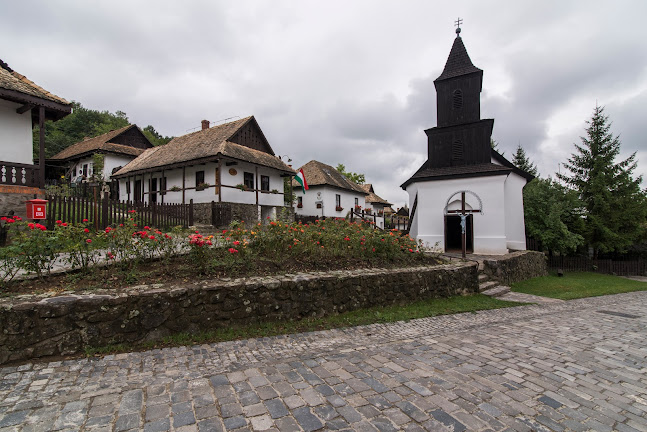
point(37, 326)
point(516, 267)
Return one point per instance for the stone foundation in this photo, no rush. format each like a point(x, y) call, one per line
point(37, 326)
point(12, 198)
point(516, 267)
point(239, 212)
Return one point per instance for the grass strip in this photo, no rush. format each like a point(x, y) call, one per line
point(374, 315)
point(577, 285)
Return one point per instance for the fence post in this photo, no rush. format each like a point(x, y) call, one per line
point(104, 210)
point(191, 212)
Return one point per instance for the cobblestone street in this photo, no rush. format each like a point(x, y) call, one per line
point(578, 365)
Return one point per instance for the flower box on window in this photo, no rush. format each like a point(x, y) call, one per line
point(299, 205)
point(368, 211)
point(202, 186)
point(339, 208)
point(358, 207)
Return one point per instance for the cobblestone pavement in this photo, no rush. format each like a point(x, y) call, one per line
point(577, 365)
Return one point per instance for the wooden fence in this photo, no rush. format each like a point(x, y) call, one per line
point(104, 212)
point(624, 268)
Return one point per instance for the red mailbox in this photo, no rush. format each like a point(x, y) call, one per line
point(36, 209)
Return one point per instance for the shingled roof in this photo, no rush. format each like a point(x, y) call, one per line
point(99, 144)
point(18, 88)
point(203, 145)
point(372, 198)
point(458, 62)
point(320, 174)
point(459, 171)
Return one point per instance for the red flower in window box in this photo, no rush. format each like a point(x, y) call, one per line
point(339, 208)
point(299, 205)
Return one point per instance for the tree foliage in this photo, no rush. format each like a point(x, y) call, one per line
point(521, 161)
point(354, 177)
point(552, 215)
point(615, 207)
point(86, 122)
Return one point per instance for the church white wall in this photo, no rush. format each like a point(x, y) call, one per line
point(515, 225)
point(15, 134)
point(489, 226)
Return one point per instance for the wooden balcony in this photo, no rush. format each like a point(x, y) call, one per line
point(16, 174)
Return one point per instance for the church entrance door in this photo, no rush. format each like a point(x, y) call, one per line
point(453, 241)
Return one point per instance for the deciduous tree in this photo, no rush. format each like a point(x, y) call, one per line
point(354, 177)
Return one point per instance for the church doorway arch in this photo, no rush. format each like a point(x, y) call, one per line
point(459, 222)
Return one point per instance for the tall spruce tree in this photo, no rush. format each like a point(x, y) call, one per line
point(521, 161)
point(615, 207)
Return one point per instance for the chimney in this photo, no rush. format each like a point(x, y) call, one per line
point(205, 124)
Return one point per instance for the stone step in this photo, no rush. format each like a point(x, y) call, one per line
point(497, 291)
point(487, 285)
point(483, 277)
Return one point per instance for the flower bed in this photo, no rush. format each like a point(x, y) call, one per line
point(135, 251)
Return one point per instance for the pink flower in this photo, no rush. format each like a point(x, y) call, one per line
point(121, 225)
point(64, 224)
point(30, 225)
point(41, 227)
point(10, 221)
point(236, 243)
point(232, 250)
point(132, 211)
point(347, 238)
point(88, 241)
point(151, 237)
point(410, 250)
point(147, 227)
point(17, 218)
point(86, 230)
point(85, 220)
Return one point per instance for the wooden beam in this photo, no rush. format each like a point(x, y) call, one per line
point(183, 184)
point(41, 147)
point(256, 175)
point(219, 180)
point(23, 109)
point(20, 97)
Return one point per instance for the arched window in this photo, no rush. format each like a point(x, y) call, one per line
point(458, 98)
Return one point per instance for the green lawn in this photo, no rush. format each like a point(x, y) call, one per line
point(420, 309)
point(577, 285)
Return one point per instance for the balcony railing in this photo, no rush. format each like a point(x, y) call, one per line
point(17, 174)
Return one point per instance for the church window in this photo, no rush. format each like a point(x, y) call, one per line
point(458, 98)
point(457, 150)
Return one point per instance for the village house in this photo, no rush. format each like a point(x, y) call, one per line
point(330, 193)
point(118, 147)
point(23, 104)
point(230, 167)
point(465, 184)
point(375, 205)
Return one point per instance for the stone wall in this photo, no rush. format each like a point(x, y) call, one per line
point(12, 198)
point(516, 267)
point(239, 212)
point(36, 326)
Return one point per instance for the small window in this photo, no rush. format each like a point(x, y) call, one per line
point(337, 200)
point(74, 172)
point(299, 202)
point(265, 183)
point(199, 177)
point(249, 180)
point(85, 170)
point(152, 188)
point(457, 150)
point(163, 184)
point(458, 99)
point(356, 202)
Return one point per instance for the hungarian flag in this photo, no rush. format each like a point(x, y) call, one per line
point(301, 178)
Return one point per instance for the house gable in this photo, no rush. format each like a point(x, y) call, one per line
point(132, 137)
point(250, 135)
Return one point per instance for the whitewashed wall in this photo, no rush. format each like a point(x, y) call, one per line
point(16, 141)
point(489, 227)
point(515, 223)
point(174, 178)
point(326, 195)
point(111, 161)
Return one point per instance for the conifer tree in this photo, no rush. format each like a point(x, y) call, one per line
point(521, 161)
point(614, 206)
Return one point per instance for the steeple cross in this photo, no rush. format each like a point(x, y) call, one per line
point(458, 23)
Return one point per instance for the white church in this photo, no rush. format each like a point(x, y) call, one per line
point(465, 182)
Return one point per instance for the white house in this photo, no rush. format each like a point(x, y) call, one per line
point(374, 204)
point(118, 147)
point(231, 163)
point(23, 104)
point(330, 193)
point(463, 175)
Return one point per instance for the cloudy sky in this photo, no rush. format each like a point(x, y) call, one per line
point(343, 81)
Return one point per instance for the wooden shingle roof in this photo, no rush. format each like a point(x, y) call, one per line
point(203, 145)
point(18, 88)
point(458, 62)
point(100, 144)
point(372, 198)
point(459, 171)
point(320, 174)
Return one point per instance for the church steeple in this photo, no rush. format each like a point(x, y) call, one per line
point(458, 87)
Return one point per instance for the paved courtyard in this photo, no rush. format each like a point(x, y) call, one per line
point(578, 365)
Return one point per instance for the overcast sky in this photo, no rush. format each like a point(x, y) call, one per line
point(344, 81)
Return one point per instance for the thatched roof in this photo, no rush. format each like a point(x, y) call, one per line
point(372, 198)
point(18, 88)
point(320, 174)
point(202, 146)
point(100, 144)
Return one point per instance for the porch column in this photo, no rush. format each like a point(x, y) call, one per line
point(41, 147)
